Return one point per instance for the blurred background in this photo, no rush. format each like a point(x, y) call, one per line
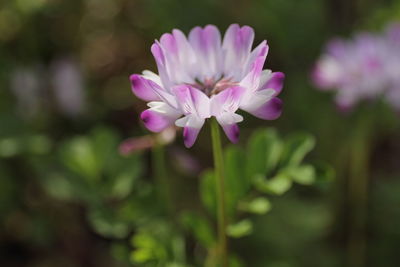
point(69, 198)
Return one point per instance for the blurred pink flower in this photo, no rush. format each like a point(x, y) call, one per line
point(203, 76)
point(67, 82)
point(145, 142)
point(366, 67)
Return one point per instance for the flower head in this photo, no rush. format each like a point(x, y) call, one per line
point(203, 76)
point(366, 67)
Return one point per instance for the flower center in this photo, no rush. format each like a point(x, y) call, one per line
point(212, 86)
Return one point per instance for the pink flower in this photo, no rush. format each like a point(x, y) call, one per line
point(364, 68)
point(203, 76)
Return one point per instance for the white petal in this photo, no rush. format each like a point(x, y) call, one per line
point(191, 121)
point(163, 108)
point(227, 118)
point(182, 121)
point(152, 77)
point(195, 122)
point(256, 99)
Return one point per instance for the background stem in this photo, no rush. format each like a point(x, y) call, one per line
point(220, 187)
point(160, 171)
point(358, 192)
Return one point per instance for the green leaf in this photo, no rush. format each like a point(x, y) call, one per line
point(263, 152)
point(304, 174)
point(147, 248)
point(200, 228)
point(38, 144)
point(259, 205)
point(9, 147)
point(120, 175)
point(175, 264)
point(156, 243)
point(236, 183)
point(240, 229)
point(105, 146)
point(178, 250)
point(297, 146)
point(277, 185)
point(234, 261)
point(58, 186)
point(123, 185)
point(107, 224)
point(78, 155)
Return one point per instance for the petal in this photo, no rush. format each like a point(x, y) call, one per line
point(239, 38)
point(229, 118)
point(206, 43)
point(155, 121)
point(393, 97)
point(190, 136)
point(393, 32)
point(260, 51)
point(256, 99)
point(177, 46)
point(159, 56)
point(236, 48)
point(149, 75)
point(192, 125)
point(327, 73)
point(253, 70)
point(159, 116)
point(252, 80)
point(169, 44)
point(151, 91)
point(192, 101)
point(228, 122)
point(143, 88)
point(179, 57)
point(232, 132)
point(227, 101)
point(165, 96)
point(187, 57)
point(270, 110)
point(347, 98)
point(274, 81)
point(337, 48)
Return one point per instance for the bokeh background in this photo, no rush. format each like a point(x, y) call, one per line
point(67, 196)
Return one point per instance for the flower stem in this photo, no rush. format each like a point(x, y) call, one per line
point(220, 191)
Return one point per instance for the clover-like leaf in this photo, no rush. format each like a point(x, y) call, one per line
point(263, 152)
point(304, 174)
point(297, 146)
point(79, 156)
point(259, 205)
point(107, 224)
point(58, 186)
point(240, 229)
point(147, 248)
point(236, 183)
point(278, 185)
point(200, 228)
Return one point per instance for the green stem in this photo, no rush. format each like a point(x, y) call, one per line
point(220, 191)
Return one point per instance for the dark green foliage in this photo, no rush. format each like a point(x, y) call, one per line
point(68, 198)
point(269, 166)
